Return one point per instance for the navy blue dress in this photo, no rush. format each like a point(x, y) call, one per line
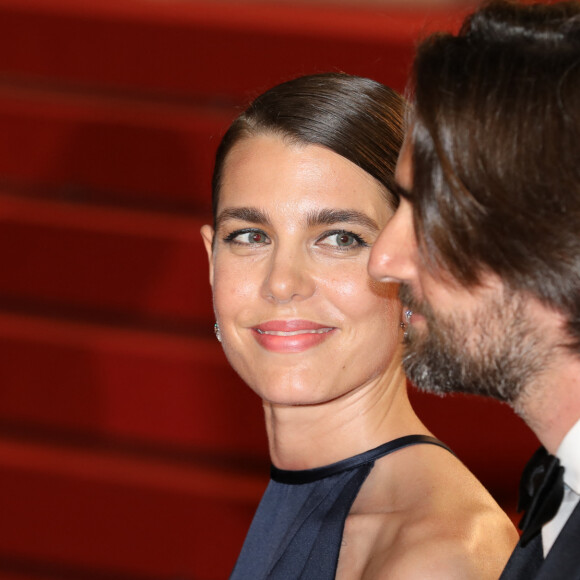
point(297, 529)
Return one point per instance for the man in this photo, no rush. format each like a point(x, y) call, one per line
point(486, 243)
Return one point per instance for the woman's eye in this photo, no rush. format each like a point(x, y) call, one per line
point(248, 237)
point(255, 237)
point(343, 239)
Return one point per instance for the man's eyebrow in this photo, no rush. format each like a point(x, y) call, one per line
point(244, 214)
point(334, 216)
point(400, 191)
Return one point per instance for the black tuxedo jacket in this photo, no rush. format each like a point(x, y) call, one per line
point(562, 562)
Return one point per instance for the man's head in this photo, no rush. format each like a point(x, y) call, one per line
point(489, 226)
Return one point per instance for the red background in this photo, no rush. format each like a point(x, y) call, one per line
point(128, 448)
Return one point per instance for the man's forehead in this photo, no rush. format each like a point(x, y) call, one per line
point(404, 169)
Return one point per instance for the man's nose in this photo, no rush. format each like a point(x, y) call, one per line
point(394, 254)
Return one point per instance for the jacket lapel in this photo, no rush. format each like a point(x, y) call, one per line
point(563, 560)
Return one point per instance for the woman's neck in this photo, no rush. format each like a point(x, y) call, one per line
point(303, 437)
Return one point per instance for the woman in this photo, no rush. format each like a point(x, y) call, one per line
point(359, 489)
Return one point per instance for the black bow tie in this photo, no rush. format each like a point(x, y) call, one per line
point(541, 492)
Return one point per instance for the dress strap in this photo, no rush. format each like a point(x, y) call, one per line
point(370, 456)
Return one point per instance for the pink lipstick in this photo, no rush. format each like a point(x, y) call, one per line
point(291, 335)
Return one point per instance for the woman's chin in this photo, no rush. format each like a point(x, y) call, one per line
point(289, 396)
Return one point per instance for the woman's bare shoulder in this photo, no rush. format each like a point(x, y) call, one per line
point(436, 521)
point(442, 555)
point(473, 541)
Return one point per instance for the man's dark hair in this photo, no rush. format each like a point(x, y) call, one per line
point(358, 118)
point(495, 132)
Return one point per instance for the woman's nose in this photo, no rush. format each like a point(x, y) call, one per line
point(289, 277)
point(394, 254)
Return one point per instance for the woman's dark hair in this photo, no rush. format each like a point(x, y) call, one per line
point(496, 151)
point(355, 117)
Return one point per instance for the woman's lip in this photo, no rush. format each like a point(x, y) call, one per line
point(291, 341)
point(290, 326)
point(293, 332)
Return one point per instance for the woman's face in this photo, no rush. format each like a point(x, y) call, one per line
point(300, 319)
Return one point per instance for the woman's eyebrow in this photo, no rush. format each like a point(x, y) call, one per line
point(334, 216)
point(320, 217)
point(244, 214)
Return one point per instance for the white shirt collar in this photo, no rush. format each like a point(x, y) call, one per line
point(569, 455)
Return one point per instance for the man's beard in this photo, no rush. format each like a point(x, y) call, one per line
point(492, 351)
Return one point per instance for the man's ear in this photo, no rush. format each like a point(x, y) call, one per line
point(207, 234)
